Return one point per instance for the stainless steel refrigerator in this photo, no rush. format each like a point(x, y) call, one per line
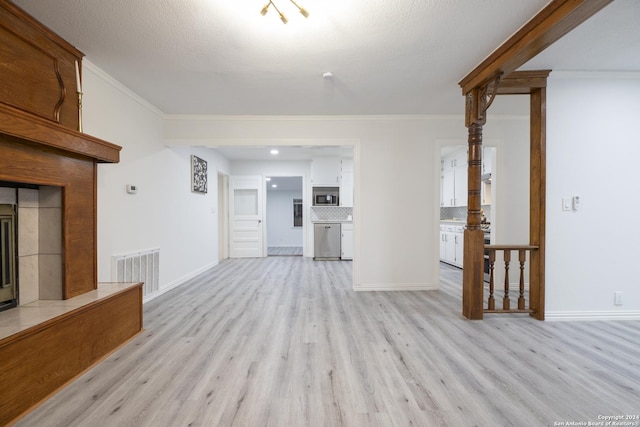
point(326, 241)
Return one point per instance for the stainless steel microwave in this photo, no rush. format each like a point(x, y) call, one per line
point(326, 196)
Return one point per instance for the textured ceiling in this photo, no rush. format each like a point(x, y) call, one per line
point(387, 57)
point(223, 57)
point(608, 41)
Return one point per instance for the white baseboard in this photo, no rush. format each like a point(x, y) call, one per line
point(181, 281)
point(558, 316)
point(387, 287)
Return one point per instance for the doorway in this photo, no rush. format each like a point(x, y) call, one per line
point(453, 199)
point(284, 216)
point(223, 216)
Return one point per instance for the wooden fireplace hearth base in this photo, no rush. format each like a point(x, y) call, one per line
point(46, 344)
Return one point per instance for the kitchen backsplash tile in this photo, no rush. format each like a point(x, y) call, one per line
point(460, 212)
point(331, 213)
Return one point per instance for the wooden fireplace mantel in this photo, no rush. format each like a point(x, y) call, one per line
point(31, 128)
point(40, 144)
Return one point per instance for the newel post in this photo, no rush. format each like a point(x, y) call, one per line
point(477, 102)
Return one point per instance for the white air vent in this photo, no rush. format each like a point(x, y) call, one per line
point(141, 266)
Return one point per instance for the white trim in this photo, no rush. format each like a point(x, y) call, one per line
point(122, 88)
point(178, 282)
point(596, 75)
point(354, 118)
point(555, 316)
point(297, 118)
point(388, 287)
point(225, 141)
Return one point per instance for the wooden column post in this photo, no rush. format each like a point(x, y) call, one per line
point(537, 201)
point(473, 271)
point(477, 102)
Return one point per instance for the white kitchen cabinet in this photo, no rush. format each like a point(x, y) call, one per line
point(452, 244)
point(346, 165)
point(325, 172)
point(461, 184)
point(461, 158)
point(447, 193)
point(459, 245)
point(347, 241)
point(453, 185)
point(487, 159)
point(346, 183)
point(448, 244)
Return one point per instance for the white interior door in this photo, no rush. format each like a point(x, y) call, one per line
point(246, 209)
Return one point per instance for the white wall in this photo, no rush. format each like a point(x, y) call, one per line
point(164, 213)
point(592, 149)
point(280, 229)
point(396, 207)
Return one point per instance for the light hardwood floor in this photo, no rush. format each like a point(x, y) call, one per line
point(284, 341)
point(284, 251)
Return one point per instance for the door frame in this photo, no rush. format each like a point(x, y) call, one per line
point(305, 203)
point(223, 216)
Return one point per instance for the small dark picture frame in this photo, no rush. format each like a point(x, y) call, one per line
point(198, 175)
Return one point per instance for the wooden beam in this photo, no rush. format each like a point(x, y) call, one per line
point(550, 24)
point(523, 82)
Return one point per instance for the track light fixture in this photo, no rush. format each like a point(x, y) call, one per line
point(283, 18)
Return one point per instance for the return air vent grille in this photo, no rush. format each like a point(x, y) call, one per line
point(140, 266)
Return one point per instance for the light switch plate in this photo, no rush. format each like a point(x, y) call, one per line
point(567, 204)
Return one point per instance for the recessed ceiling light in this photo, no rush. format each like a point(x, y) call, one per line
point(274, 152)
point(267, 179)
point(274, 185)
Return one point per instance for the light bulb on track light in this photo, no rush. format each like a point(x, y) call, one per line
point(283, 18)
point(301, 9)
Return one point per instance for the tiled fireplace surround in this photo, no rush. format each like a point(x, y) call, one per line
point(39, 220)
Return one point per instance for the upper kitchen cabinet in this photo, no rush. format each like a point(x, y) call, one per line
point(488, 154)
point(325, 172)
point(346, 182)
point(453, 176)
point(488, 159)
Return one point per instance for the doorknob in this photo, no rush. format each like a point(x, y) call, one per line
point(259, 221)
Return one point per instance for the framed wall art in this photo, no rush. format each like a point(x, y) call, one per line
point(198, 175)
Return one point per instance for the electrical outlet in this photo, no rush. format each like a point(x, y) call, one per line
point(617, 297)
